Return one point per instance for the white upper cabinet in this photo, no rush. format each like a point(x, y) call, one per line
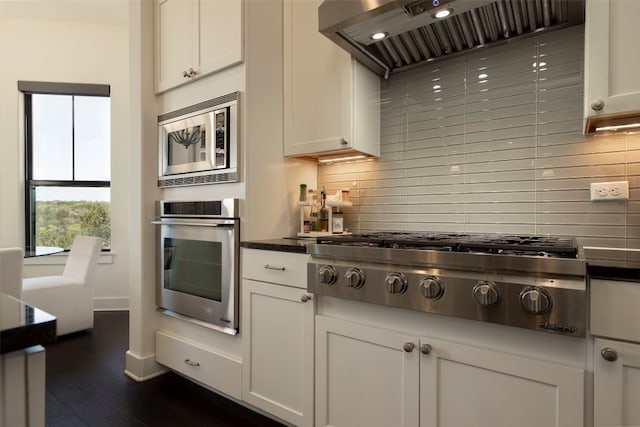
point(612, 65)
point(195, 38)
point(331, 101)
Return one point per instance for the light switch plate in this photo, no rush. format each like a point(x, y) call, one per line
point(617, 190)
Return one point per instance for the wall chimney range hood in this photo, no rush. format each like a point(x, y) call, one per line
point(413, 35)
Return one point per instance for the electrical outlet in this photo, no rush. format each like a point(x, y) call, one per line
point(618, 190)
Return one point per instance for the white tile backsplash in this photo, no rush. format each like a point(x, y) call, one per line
point(497, 153)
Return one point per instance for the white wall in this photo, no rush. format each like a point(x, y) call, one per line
point(66, 41)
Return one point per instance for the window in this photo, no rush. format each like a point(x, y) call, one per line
point(67, 162)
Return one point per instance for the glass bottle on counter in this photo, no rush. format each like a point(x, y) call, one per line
point(313, 214)
point(337, 226)
point(323, 214)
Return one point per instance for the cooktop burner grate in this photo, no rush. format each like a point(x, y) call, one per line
point(501, 244)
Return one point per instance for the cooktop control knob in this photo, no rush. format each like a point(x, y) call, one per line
point(328, 275)
point(355, 278)
point(396, 283)
point(535, 300)
point(486, 294)
point(431, 287)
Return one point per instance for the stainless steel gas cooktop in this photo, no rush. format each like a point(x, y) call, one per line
point(528, 281)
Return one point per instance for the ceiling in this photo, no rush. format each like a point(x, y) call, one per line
point(113, 12)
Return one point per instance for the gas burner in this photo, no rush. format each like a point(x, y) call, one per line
point(526, 281)
point(499, 244)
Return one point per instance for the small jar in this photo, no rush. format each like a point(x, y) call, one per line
point(337, 223)
point(303, 192)
point(344, 194)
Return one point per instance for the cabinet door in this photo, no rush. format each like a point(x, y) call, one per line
point(462, 385)
point(616, 383)
point(278, 350)
point(611, 65)
point(176, 41)
point(195, 38)
point(365, 376)
point(317, 84)
point(220, 41)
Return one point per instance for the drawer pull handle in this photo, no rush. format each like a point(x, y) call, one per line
point(305, 298)
point(271, 267)
point(191, 363)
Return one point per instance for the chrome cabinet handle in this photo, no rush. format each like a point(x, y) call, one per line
point(344, 141)
point(408, 347)
point(305, 298)
point(609, 354)
point(597, 105)
point(191, 363)
point(426, 348)
point(271, 267)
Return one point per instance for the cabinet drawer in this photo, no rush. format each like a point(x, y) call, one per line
point(283, 268)
point(615, 309)
point(213, 369)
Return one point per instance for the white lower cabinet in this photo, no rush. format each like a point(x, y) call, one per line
point(204, 365)
point(364, 377)
point(277, 333)
point(462, 385)
point(616, 383)
point(374, 377)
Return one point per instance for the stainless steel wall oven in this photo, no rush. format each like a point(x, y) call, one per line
point(198, 245)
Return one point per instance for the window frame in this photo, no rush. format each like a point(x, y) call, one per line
point(48, 88)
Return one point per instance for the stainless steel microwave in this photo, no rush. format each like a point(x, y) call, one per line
point(198, 144)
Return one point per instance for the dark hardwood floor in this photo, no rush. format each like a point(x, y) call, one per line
point(86, 386)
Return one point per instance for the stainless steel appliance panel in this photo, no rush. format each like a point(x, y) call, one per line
point(197, 262)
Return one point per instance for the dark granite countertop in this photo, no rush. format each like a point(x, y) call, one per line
point(286, 244)
point(23, 326)
point(613, 263)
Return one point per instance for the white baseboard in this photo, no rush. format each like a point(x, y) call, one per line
point(111, 304)
point(142, 368)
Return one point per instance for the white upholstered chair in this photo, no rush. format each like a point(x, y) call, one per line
point(68, 297)
point(11, 260)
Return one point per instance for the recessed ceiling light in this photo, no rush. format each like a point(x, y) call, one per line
point(378, 36)
point(442, 13)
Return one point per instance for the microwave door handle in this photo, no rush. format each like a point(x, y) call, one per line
point(199, 224)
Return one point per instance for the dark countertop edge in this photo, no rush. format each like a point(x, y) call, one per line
point(24, 326)
point(631, 274)
point(279, 245)
point(27, 336)
point(596, 268)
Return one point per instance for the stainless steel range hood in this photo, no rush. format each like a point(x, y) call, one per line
point(415, 36)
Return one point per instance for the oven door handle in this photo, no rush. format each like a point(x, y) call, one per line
point(199, 224)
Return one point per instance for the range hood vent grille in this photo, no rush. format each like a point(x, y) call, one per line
point(417, 37)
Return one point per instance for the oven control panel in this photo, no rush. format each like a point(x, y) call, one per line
point(555, 305)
